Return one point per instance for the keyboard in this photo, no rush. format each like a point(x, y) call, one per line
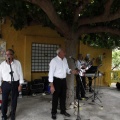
point(93, 75)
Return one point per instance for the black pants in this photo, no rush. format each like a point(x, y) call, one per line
point(6, 90)
point(80, 86)
point(59, 94)
point(90, 82)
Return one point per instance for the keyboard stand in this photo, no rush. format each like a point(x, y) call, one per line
point(95, 94)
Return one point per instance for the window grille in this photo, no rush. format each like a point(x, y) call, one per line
point(42, 55)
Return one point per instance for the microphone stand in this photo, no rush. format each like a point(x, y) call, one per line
point(78, 112)
point(12, 80)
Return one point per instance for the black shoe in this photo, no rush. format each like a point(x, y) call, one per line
point(65, 113)
point(13, 118)
point(54, 116)
point(91, 90)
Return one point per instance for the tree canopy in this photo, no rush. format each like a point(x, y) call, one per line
point(95, 22)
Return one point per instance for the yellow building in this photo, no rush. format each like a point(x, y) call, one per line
point(20, 42)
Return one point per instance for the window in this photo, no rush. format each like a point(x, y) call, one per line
point(42, 55)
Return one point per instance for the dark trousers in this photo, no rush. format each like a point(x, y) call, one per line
point(90, 82)
point(80, 86)
point(8, 88)
point(59, 95)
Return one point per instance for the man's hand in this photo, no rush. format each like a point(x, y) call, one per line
point(20, 88)
point(74, 71)
point(52, 89)
point(0, 90)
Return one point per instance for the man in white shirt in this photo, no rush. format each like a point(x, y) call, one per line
point(11, 79)
point(57, 78)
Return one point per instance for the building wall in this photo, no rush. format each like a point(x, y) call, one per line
point(21, 41)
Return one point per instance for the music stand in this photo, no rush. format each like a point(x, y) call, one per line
point(95, 93)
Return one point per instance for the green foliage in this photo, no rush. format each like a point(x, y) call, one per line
point(102, 40)
point(95, 8)
point(65, 9)
point(115, 6)
point(22, 13)
point(116, 59)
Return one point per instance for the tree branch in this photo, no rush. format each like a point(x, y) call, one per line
point(98, 19)
point(47, 7)
point(107, 7)
point(99, 29)
point(106, 16)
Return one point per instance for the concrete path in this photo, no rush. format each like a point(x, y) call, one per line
point(39, 107)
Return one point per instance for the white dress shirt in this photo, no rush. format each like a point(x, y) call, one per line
point(79, 65)
point(58, 68)
point(5, 71)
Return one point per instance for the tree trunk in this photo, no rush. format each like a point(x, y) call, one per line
point(71, 50)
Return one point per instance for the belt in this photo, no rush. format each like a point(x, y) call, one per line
point(7, 81)
point(60, 78)
point(10, 81)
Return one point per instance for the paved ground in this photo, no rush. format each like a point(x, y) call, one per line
point(39, 107)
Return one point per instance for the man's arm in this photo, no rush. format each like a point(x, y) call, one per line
point(69, 71)
point(52, 88)
point(51, 75)
point(21, 77)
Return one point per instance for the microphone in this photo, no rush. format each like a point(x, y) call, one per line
point(72, 58)
point(8, 59)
